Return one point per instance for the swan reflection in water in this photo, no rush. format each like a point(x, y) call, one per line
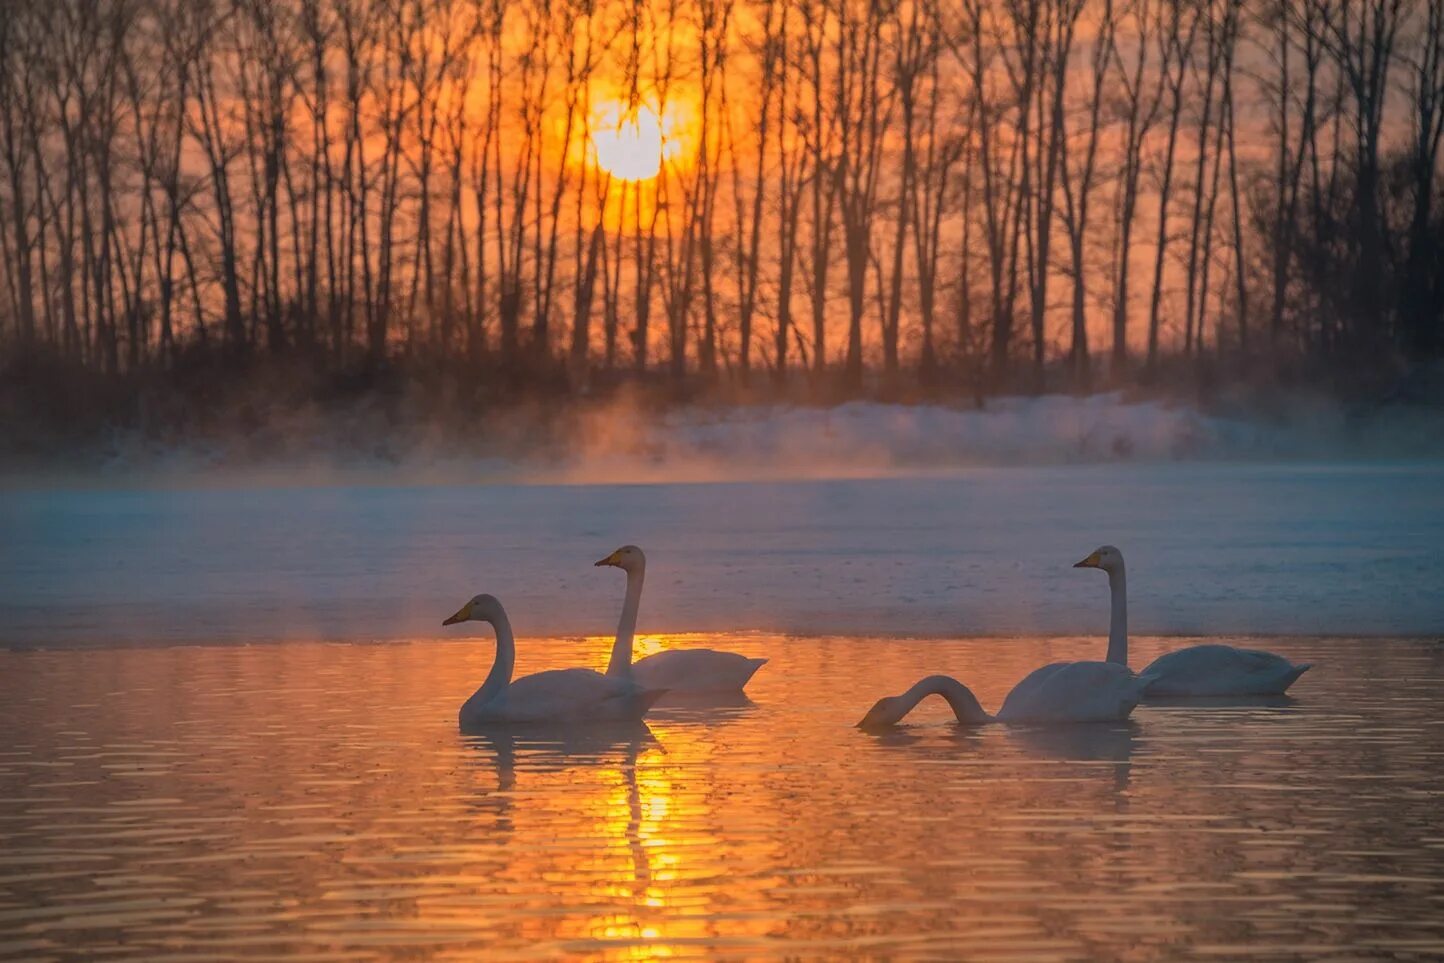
point(1086, 742)
point(1279, 701)
point(606, 798)
point(1090, 742)
point(704, 708)
point(580, 751)
point(1094, 742)
point(553, 748)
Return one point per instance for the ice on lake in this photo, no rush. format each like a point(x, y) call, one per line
point(1300, 549)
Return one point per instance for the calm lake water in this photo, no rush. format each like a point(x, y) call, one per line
point(316, 801)
point(1289, 549)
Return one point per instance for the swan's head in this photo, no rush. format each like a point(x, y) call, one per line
point(1108, 558)
point(882, 714)
point(482, 608)
point(628, 558)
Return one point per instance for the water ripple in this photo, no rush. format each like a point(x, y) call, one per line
point(316, 802)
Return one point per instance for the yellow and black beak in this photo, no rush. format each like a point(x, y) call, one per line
point(1092, 561)
point(611, 559)
point(462, 615)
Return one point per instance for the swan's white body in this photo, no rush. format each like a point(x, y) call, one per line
point(1062, 693)
point(558, 695)
point(1059, 694)
point(678, 670)
point(695, 670)
point(1221, 670)
point(561, 695)
point(1199, 670)
point(1067, 692)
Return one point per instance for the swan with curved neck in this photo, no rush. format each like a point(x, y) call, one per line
point(1199, 670)
point(1059, 694)
point(558, 695)
point(890, 710)
point(1063, 693)
point(677, 670)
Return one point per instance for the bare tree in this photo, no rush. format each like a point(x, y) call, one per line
point(1142, 95)
point(371, 182)
point(1175, 61)
point(1076, 200)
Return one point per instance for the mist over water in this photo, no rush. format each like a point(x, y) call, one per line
point(892, 519)
point(625, 441)
point(630, 438)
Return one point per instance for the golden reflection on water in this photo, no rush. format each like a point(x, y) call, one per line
point(645, 645)
point(316, 801)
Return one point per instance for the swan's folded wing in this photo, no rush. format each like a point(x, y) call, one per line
point(1025, 694)
point(1214, 669)
point(1075, 692)
point(1257, 660)
point(573, 694)
point(1095, 691)
point(695, 670)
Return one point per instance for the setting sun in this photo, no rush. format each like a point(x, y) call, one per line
point(631, 142)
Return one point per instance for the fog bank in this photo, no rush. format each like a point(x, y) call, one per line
point(635, 439)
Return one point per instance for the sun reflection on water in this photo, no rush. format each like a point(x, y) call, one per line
point(309, 799)
point(646, 645)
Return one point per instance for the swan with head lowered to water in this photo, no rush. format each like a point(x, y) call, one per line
point(677, 670)
point(1199, 670)
point(555, 696)
point(1062, 693)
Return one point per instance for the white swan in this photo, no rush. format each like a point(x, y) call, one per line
point(1199, 670)
point(890, 710)
point(559, 695)
point(1061, 693)
point(677, 670)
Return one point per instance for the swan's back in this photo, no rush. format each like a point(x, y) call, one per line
point(1213, 669)
point(565, 695)
point(695, 670)
point(1027, 690)
point(1074, 692)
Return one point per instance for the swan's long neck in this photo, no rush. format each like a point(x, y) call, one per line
point(621, 661)
point(500, 675)
point(964, 704)
point(1118, 620)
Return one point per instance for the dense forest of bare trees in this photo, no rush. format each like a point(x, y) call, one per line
point(984, 193)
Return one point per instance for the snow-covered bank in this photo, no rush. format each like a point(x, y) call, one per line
point(628, 439)
point(1212, 548)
